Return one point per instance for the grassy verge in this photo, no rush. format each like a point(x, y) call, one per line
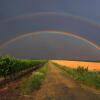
point(34, 81)
point(83, 75)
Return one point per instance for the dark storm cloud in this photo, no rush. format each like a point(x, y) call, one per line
point(50, 21)
point(50, 45)
point(84, 8)
point(89, 10)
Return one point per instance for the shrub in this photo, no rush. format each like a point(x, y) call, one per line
point(81, 70)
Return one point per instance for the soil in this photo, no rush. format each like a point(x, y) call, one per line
point(55, 87)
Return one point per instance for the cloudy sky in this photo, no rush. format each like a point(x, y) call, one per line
point(80, 17)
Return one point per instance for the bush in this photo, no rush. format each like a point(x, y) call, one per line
point(81, 70)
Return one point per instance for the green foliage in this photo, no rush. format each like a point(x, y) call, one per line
point(81, 70)
point(34, 81)
point(89, 78)
point(10, 65)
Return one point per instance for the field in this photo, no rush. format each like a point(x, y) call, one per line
point(47, 80)
point(93, 66)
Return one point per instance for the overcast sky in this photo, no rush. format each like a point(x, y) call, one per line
point(85, 8)
point(81, 17)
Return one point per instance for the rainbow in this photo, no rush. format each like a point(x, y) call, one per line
point(52, 32)
point(50, 13)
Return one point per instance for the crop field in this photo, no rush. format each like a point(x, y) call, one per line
point(42, 80)
point(93, 66)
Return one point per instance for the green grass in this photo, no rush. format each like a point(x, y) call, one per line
point(83, 75)
point(34, 81)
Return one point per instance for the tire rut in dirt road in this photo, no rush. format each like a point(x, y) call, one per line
point(57, 87)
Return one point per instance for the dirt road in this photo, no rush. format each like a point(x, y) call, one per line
point(56, 86)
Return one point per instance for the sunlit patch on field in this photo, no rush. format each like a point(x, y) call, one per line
point(94, 66)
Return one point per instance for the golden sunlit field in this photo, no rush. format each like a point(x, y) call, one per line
point(93, 66)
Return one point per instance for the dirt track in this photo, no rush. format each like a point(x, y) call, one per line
point(56, 86)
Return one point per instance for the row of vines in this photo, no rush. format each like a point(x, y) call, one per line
point(10, 65)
